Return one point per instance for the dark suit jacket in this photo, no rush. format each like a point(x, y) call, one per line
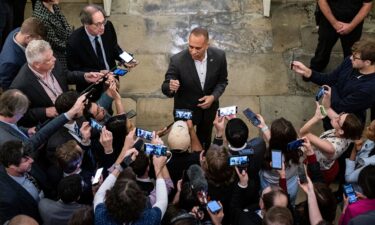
point(27, 82)
point(182, 68)
point(15, 200)
point(8, 133)
point(81, 55)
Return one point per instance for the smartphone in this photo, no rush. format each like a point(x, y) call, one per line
point(120, 72)
point(143, 134)
point(291, 62)
point(95, 125)
point(138, 144)
point(238, 160)
point(277, 159)
point(319, 94)
point(251, 116)
point(151, 149)
point(126, 57)
point(226, 111)
point(302, 174)
point(131, 114)
point(97, 176)
point(350, 193)
point(294, 145)
point(184, 114)
point(213, 206)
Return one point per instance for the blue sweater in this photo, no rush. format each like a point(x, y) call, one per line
point(352, 92)
point(12, 58)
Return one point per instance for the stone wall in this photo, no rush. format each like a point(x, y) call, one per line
point(258, 49)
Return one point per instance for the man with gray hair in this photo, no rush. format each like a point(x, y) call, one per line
point(93, 46)
point(42, 80)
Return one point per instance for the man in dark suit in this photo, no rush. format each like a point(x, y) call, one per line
point(196, 78)
point(42, 79)
point(93, 47)
point(22, 184)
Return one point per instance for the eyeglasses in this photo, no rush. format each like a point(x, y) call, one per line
point(99, 24)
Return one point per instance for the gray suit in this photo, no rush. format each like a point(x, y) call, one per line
point(56, 212)
point(182, 68)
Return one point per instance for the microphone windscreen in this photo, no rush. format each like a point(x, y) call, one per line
point(196, 178)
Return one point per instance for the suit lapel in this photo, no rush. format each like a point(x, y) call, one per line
point(37, 87)
point(210, 65)
point(86, 45)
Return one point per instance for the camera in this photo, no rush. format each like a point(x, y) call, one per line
point(95, 125)
point(143, 134)
point(294, 145)
point(240, 160)
point(226, 111)
point(183, 114)
point(276, 157)
point(159, 150)
point(250, 115)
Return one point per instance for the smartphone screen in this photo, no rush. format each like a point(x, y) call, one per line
point(226, 111)
point(302, 174)
point(319, 94)
point(126, 57)
point(350, 193)
point(250, 115)
point(95, 125)
point(213, 206)
point(238, 160)
point(183, 114)
point(276, 157)
point(120, 72)
point(149, 148)
point(143, 134)
point(160, 150)
point(97, 175)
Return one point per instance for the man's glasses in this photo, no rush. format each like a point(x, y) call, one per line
point(99, 24)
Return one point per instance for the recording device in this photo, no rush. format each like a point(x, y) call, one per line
point(320, 93)
point(277, 160)
point(183, 114)
point(302, 174)
point(226, 111)
point(94, 91)
point(291, 63)
point(238, 160)
point(294, 145)
point(131, 114)
point(350, 193)
point(138, 145)
point(95, 125)
point(97, 176)
point(143, 134)
point(213, 206)
point(126, 162)
point(251, 116)
point(120, 72)
point(151, 149)
point(126, 57)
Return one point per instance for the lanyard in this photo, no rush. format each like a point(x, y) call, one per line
point(46, 85)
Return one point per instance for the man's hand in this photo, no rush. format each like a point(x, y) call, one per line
point(206, 101)
point(77, 108)
point(112, 91)
point(93, 77)
point(345, 28)
point(307, 148)
point(31, 131)
point(244, 178)
point(51, 112)
point(106, 140)
point(218, 217)
point(301, 69)
point(219, 124)
point(131, 65)
point(174, 85)
point(85, 131)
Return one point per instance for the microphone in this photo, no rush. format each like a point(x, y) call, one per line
point(138, 145)
point(196, 177)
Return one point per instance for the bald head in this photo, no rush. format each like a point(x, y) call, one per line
point(22, 220)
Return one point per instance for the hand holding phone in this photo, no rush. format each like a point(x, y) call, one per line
point(183, 114)
point(238, 160)
point(251, 116)
point(302, 174)
point(120, 72)
point(213, 206)
point(95, 125)
point(294, 145)
point(151, 149)
point(126, 57)
point(350, 193)
point(277, 160)
point(143, 134)
point(226, 111)
point(97, 176)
